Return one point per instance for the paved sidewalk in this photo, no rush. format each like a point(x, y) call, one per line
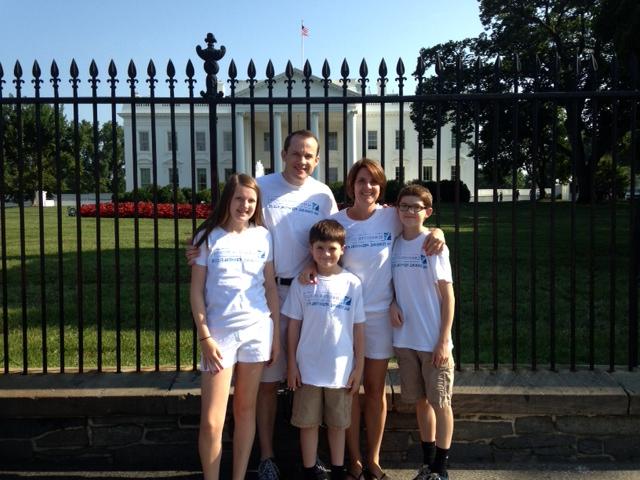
point(496, 472)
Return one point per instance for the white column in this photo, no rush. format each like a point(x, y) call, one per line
point(240, 160)
point(352, 145)
point(315, 128)
point(277, 142)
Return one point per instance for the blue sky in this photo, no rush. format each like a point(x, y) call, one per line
point(260, 30)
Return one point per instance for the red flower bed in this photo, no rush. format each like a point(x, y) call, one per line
point(145, 210)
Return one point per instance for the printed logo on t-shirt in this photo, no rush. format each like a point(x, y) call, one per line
point(225, 255)
point(345, 304)
point(366, 240)
point(307, 207)
point(410, 261)
point(326, 299)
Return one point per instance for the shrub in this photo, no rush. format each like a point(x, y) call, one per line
point(447, 190)
point(165, 195)
point(204, 196)
point(186, 193)
point(338, 191)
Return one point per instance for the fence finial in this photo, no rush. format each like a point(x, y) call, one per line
point(211, 56)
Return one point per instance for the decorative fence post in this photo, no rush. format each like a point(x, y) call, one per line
point(211, 56)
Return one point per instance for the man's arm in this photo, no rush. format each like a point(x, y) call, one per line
point(358, 358)
point(293, 338)
point(273, 302)
point(434, 243)
point(442, 350)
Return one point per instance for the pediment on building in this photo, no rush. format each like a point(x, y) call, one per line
point(280, 87)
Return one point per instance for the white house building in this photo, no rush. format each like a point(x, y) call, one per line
point(331, 140)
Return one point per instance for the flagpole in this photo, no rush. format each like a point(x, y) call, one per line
point(301, 45)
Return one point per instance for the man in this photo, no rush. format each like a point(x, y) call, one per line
point(292, 202)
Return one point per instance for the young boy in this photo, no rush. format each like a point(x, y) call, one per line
point(325, 349)
point(422, 318)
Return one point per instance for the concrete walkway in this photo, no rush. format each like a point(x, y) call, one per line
point(506, 472)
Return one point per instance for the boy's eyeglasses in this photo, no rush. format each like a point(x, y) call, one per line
point(403, 207)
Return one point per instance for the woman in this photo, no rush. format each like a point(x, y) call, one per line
point(235, 307)
point(371, 230)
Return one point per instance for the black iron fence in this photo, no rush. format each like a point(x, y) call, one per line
point(546, 270)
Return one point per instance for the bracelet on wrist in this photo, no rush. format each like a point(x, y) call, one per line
point(204, 338)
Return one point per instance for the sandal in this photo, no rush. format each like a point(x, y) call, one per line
point(369, 475)
point(350, 474)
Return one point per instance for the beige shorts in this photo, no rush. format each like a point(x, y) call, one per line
point(378, 333)
point(312, 404)
point(419, 378)
point(277, 372)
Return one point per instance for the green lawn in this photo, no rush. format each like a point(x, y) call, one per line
point(468, 348)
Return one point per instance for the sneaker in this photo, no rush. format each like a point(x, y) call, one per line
point(320, 464)
point(268, 470)
point(424, 473)
point(438, 476)
point(318, 473)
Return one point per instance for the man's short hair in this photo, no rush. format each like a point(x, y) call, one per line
point(327, 231)
point(416, 190)
point(304, 134)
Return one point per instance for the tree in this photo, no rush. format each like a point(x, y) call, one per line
point(21, 152)
point(561, 45)
point(23, 149)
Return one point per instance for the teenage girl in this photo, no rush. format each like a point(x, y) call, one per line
point(235, 307)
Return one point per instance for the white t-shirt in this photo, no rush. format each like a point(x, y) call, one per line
point(415, 277)
point(368, 254)
point(289, 212)
point(234, 287)
point(328, 311)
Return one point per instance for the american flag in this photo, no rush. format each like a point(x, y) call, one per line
point(304, 31)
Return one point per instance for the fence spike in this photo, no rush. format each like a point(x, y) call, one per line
point(251, 70)
point(171, 70)
point(420, 67)
point(439, 68)
point(2, 71)
point(364, 70)
point(270, 70)
point(344, 69)
point(93, 69)
point(190, 70)
point(497, 66)
point(326, 71)
point(288, 71)
point(17, 70)
point(382, 69)
point(233, 71)
point(307, 70)
point(36, 70)
point(55, 72)
point(151, 69)
point(131, 71)
point(113, 71)
point(594, 63)
point(400, 68)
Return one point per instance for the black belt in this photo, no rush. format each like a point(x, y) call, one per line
point(284, 281)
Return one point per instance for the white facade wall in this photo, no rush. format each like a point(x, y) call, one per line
point(262, 152)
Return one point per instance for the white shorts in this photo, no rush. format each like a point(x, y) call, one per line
point(277, 372)
point(378, 336)
point(250, 344)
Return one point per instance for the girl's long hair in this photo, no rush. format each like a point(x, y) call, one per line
point(220, 215)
